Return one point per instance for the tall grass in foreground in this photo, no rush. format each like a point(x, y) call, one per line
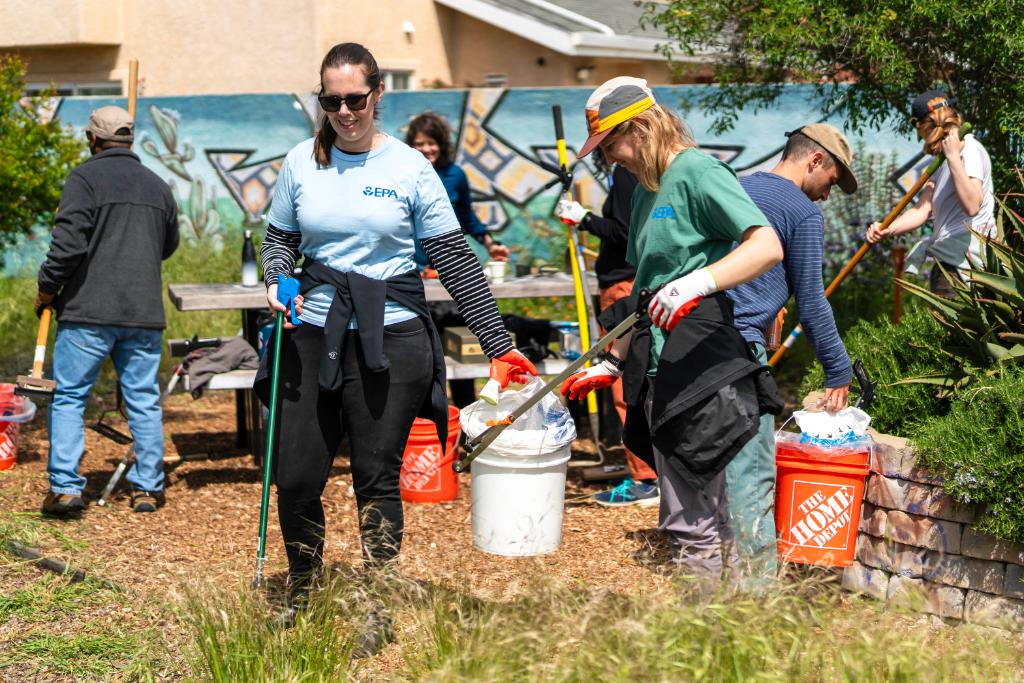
point(802, 632)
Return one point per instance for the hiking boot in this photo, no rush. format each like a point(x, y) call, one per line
point(147, 501)
point(63, 505)
point(375, 632)
point(629, 492)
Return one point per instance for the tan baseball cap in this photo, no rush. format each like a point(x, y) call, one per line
point(614, 101)
point(835, 143)
point(111, 123)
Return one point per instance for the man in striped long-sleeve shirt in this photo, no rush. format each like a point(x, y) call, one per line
point(816, 157)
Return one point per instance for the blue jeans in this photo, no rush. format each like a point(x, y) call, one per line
point(78, 353)
point(750, 493)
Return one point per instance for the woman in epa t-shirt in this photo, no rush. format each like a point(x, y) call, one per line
point(366, 360)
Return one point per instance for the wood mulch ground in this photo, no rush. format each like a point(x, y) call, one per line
point(208, 529)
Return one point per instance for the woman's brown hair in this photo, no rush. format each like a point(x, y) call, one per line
point(435, 128)
point(340, 54)
point(659, 134)
point(933, 128)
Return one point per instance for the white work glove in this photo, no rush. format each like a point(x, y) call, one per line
point(678, 298)
point(600, 376)
point(571, 212)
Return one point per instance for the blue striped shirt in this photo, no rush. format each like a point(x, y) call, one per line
point(800, 228)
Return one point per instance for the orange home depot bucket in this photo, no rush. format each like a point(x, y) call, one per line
point(818, 496)
point(427, 475)
point(8, 430)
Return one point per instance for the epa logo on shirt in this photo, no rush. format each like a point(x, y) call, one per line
point(370, 191)
point(663, 212)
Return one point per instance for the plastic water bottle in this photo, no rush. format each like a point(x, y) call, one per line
point(250, 276)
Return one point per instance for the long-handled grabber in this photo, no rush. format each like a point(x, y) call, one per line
point(479, 444)
point(287, 290)
point(584, 314)
point(34, 385)
point(965, 128)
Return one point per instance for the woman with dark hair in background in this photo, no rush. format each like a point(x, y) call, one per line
point(615, 279)
point(429, 134)
point(366, 360)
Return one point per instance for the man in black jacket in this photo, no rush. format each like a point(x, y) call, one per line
point(116, 222)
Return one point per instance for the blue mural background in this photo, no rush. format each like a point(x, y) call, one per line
point(221, 155)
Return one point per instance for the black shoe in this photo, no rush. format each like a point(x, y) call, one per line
point(285, 616)
point(147, 501)
point(375, 632)
point(63, 505)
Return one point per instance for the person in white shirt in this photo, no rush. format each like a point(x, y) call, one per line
point(958, 198)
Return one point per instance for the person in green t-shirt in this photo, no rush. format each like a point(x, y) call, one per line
point(689, 382)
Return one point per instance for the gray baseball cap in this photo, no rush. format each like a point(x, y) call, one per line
point(111, 123)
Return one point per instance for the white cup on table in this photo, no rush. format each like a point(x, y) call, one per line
point(495, 271)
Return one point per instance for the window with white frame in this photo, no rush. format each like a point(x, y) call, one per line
point(70, 89)
point(397, 80)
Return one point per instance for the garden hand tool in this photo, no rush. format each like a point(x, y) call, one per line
point(34, 385)
point(287, 290)
point(479, 444)
point(584, 314)
point(965, 128)
point(185, 348)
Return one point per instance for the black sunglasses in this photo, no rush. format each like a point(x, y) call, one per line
point(354, 102)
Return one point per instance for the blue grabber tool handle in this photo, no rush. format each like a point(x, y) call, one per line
point(287, 290)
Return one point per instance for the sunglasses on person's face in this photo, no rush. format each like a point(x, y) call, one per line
point(354, 102)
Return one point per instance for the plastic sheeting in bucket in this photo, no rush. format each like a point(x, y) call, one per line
point(820, 487)
point(14, 410)
point(519, 481)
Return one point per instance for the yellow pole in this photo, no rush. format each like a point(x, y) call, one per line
point(578, 265)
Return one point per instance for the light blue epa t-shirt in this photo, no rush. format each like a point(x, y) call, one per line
point(360, 214)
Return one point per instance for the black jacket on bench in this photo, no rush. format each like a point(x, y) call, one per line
point(116, 222)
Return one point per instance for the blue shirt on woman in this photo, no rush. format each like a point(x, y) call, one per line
point(361, 214)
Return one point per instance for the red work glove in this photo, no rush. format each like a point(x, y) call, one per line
point(678, 298)
point(511, 367)
point(600, 376)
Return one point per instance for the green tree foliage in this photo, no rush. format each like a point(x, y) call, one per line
point(866, 59)
point(35, 156)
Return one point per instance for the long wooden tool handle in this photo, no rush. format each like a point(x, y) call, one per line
point(133, 86)
point(44, 332)
point(965, 128)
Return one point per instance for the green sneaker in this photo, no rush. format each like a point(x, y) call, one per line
point(629, 492)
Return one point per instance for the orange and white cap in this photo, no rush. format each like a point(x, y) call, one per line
point(614, 101)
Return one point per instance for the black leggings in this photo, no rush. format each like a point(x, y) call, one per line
point(376, 410)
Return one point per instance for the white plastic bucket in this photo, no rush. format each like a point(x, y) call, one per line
point(518, 502)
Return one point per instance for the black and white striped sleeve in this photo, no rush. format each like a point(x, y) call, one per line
point(461, 274)
point(278, 253)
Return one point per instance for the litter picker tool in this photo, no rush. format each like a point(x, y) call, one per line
point(287, 290)
point(965, 128)
point(479, 444)
point(34, 385)
point(584, 314)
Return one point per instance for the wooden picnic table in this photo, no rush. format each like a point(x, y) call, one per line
point(253, 299)
point(210, 297)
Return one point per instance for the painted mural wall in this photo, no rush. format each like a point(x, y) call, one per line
point(221, 156)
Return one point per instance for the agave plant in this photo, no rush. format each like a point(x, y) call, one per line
point(985, 317)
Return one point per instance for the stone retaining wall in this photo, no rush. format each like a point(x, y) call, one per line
point(917, 547)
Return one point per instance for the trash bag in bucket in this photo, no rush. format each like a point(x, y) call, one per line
point(546, 428)
point(828, 430)
point(518, 483)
